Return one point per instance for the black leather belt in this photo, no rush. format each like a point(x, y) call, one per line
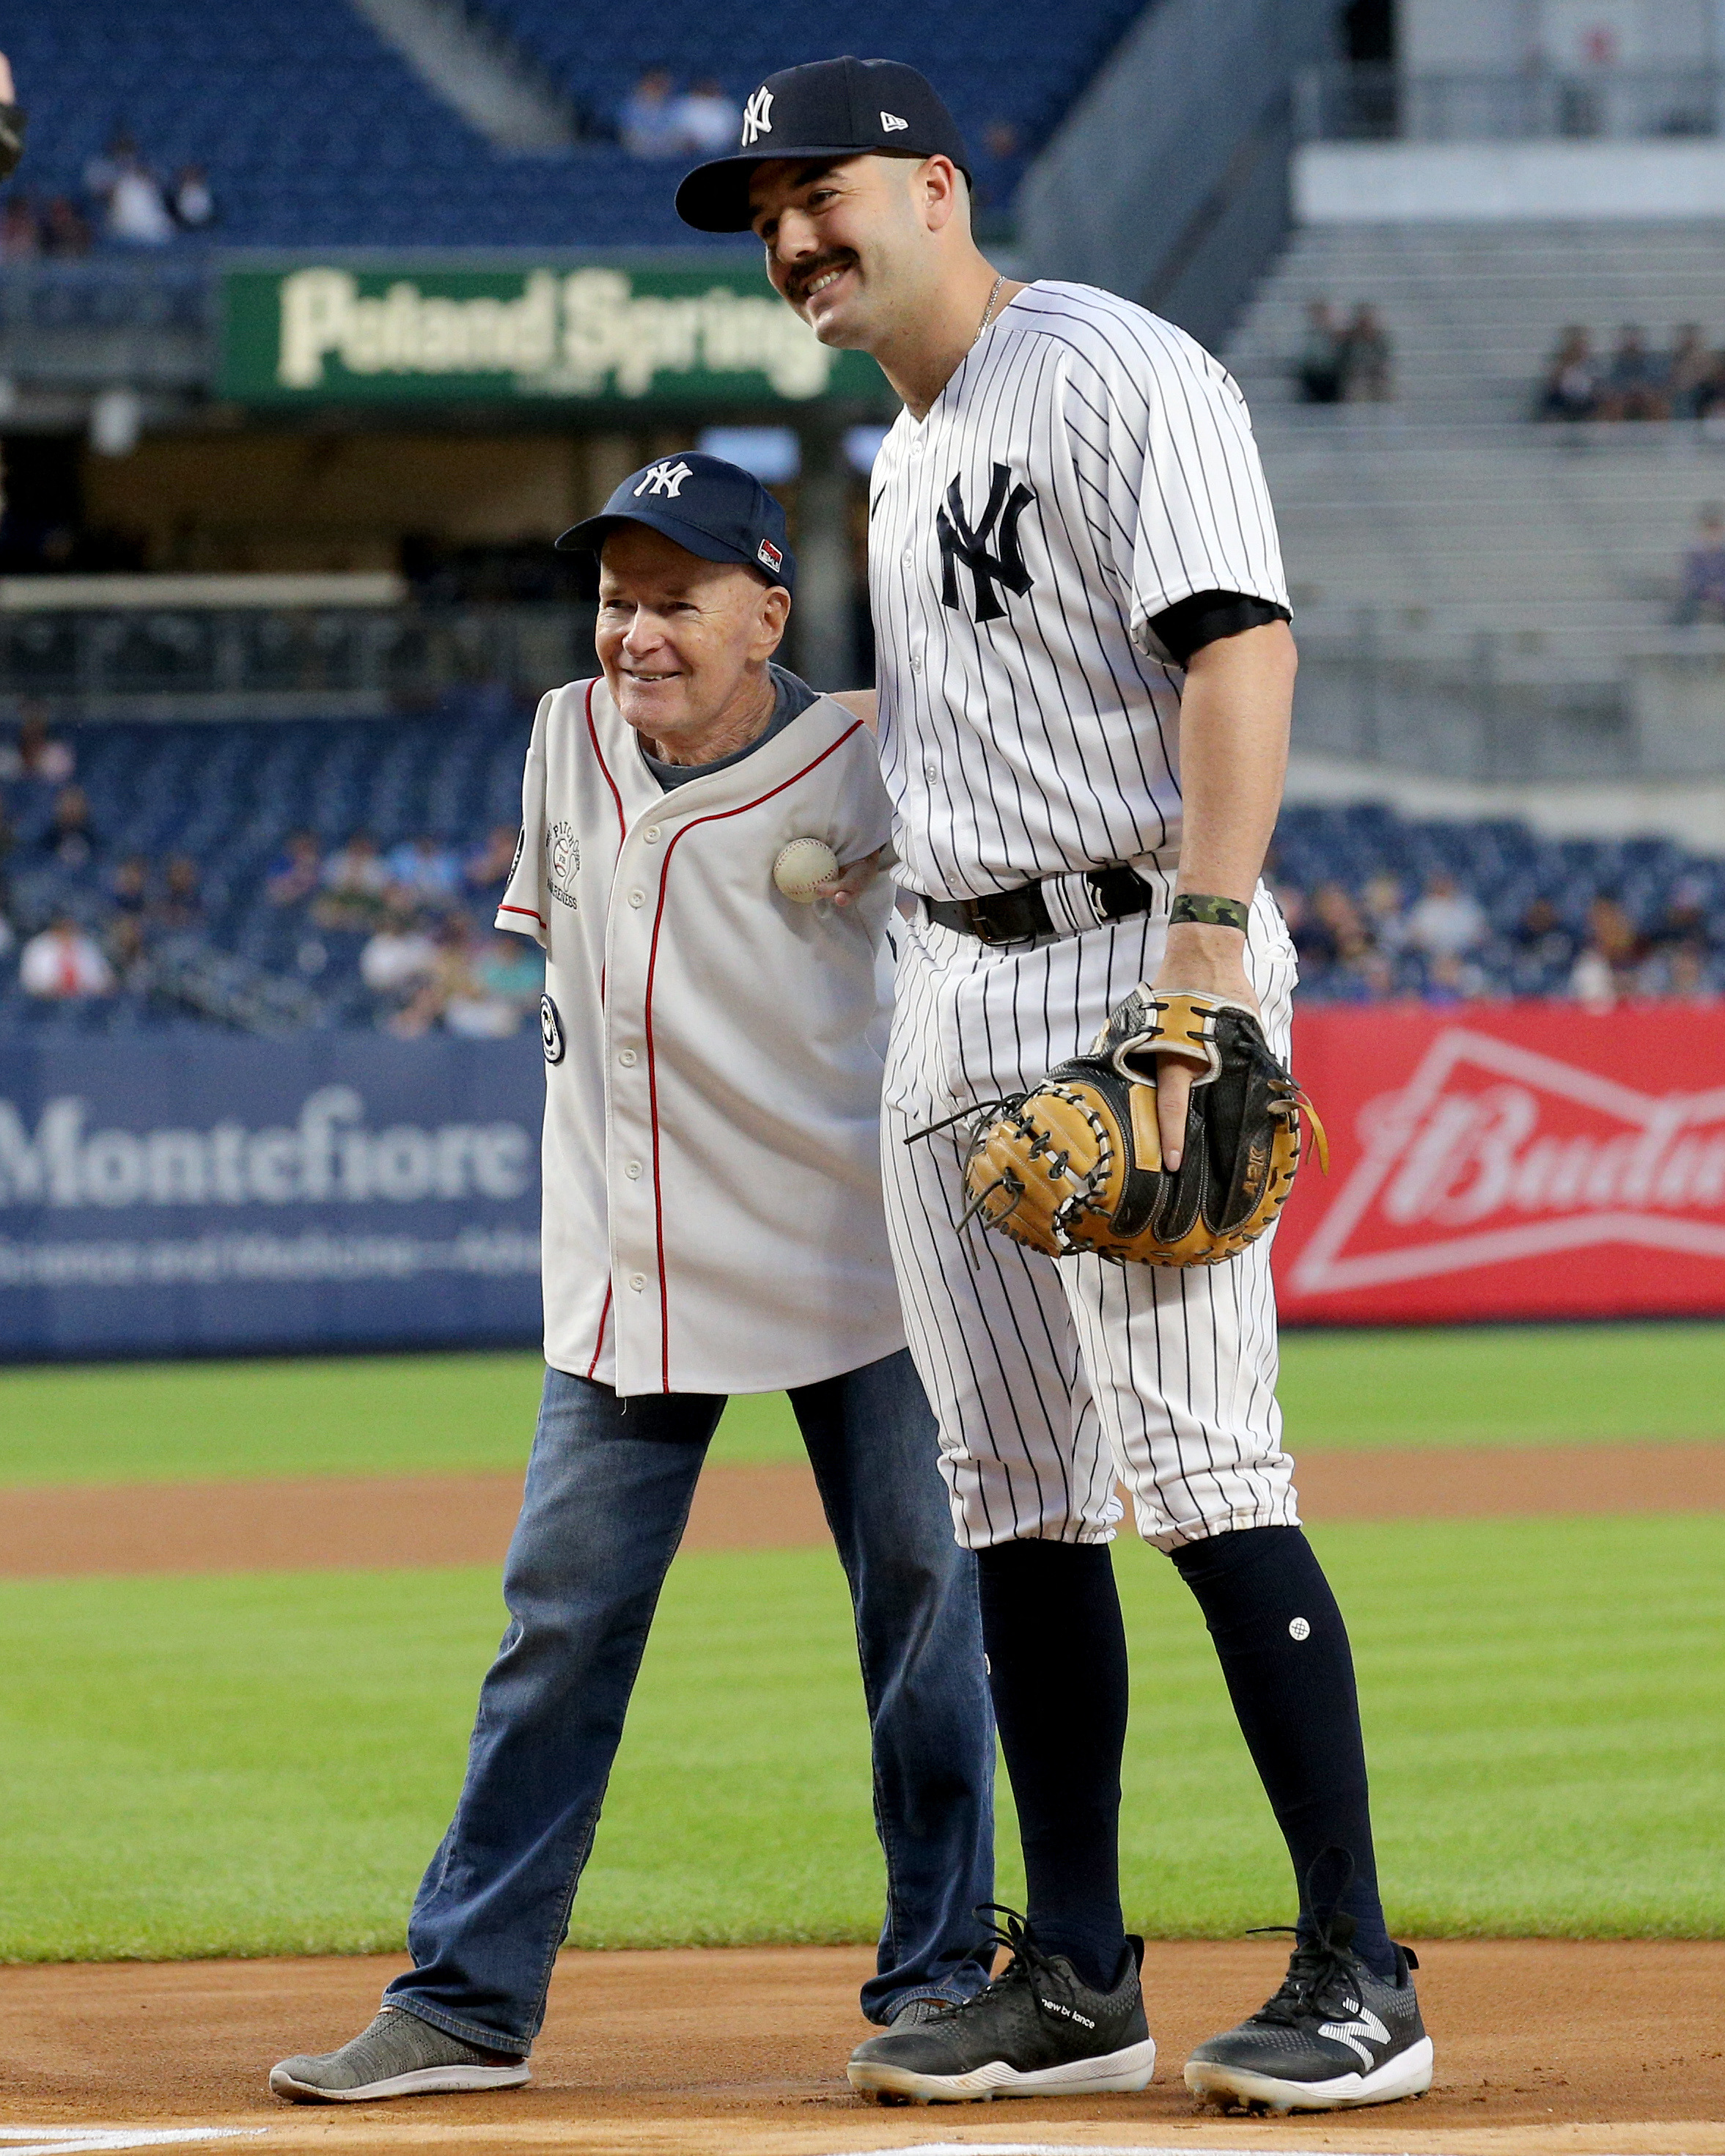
point(1020, 915)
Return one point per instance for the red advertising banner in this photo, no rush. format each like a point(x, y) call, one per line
point(1509, 1160)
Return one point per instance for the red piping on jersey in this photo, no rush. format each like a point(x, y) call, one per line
point(593, 734)
point(528, 911)
point(717, 816)
point(604, 1312)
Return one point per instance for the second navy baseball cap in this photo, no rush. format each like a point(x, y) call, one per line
point(711, 508)
point(829, 109)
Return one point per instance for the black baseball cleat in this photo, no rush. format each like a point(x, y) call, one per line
point(1333, 2036)
point(1038, 2029)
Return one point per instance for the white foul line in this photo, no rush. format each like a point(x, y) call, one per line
point(68, 2140)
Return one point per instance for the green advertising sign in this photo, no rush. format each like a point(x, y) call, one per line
point(317, 333)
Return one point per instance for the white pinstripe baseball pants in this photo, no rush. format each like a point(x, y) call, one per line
point(1053, 1377)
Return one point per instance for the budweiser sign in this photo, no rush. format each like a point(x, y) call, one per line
point(1513, 1167)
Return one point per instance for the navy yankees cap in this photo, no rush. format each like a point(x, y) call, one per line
point(827, 109)
point(714, 509)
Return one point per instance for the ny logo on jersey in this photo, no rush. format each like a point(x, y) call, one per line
point(665, 479)
point(997, 527)
point(756, 116)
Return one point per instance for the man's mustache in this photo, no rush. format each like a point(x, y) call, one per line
point(799, 279)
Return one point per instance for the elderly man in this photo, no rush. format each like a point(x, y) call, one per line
point(713, 1224)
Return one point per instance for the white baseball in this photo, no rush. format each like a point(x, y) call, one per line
point(802, 864)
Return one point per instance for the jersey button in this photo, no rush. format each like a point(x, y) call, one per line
point(909, 554)
point(916, 662)
point(632, 1169)
point(651, 834)
point(637, 1282)
point(638, 898)
point(627, 1059)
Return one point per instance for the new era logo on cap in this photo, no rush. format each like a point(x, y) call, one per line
point(891, 122)
point(769, 556)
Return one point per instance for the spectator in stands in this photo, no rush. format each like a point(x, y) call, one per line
point(180, 908)
point(1544, 938)
point(128, 953)
point(425, 871)
point(296, 871)
point(707, 122)
point(1592, 980)
point(1447, 922)
point(1680, 972)
point(129, 886)
point(20, 230)
point(192, 202)
point(354, 881)
point(1381, 911)
point(70, 838)
point(1318, 368)
point(65, 964)
point(1571, 388)
point(398, 958)
point(487, 868)
point(1613, 942)
point(1637, 385)
point(138, 214)
point(1691, 371)
point(450, 991)
point(1450, 979)
point(1365, 358)
point(1703, 595)
point(36, 756)
point(1686, 918)
point(65, 233)
point(648, 122)
point(102, 171)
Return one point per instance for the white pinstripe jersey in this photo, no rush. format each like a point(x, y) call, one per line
point(1087, 466)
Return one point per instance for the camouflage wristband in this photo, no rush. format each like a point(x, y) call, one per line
point(1209, 913)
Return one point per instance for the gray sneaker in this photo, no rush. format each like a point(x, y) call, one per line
point(399, 2054)
point(927, 2006)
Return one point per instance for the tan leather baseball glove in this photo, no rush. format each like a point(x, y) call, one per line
point(1076, 1163)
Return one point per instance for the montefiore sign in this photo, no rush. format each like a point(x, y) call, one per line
point(325, 332)
point(1511, 1161)
point(328, 1156)
point(222, 1194)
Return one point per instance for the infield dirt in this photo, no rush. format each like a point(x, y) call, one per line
point(339, 1521)
point(1541, 2045)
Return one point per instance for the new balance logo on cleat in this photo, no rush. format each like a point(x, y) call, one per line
point(1336, 2035)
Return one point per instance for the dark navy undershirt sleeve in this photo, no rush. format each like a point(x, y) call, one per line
point(1206, 618)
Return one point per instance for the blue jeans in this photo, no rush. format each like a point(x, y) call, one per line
point(608, 1489)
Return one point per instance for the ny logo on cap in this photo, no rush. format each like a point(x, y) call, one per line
point(891, 123)
point(664, 478)
point(998, 523)
point(755, 119)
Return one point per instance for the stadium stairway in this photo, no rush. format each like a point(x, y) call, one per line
point(1447, 514)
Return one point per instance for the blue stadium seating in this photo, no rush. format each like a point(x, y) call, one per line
point(316, 133)
point(229, 794)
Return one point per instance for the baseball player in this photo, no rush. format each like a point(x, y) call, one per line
point(712, 1224)
point(1086, 677)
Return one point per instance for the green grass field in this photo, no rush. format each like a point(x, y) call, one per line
point(406, 1415)
point(263, 1765)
